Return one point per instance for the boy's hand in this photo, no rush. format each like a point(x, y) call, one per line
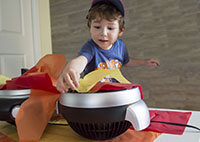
point(153, 62)
point(71, 74)
point(68, 77)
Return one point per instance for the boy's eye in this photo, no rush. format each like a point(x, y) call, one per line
point(97, 27)
point(111, 28)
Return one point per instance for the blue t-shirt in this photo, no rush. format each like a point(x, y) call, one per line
point(98, 58)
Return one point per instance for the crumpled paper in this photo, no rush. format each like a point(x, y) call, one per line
point(171, 117)
point(37, 110)
point(3, 79)
point(92, 78)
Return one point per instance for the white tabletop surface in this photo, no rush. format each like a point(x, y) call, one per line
point(189, 135)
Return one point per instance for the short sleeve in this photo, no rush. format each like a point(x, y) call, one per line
point(126, 56)
point(87, 50)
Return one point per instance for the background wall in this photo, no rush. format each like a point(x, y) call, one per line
point(168, 30)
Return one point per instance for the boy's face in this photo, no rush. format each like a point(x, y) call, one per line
point(104, 33)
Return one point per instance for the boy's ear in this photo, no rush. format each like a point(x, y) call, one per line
point(121, 31)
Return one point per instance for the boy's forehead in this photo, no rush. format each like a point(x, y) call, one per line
point(99, 20)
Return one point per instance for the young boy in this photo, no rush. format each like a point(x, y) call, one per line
point(104, 50)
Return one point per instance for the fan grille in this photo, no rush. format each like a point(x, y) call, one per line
point(100, 131)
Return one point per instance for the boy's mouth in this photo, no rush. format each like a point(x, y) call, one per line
point(101, 40)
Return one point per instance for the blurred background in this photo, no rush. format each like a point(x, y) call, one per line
point(166, 29)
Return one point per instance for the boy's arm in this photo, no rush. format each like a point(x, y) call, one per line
point(71, 74)
point(143, 62)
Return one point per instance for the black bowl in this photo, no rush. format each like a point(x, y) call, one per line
point(10, 101)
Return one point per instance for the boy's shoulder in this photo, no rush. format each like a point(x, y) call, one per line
point(90, 42)
point(88, 46)
point(120, 42)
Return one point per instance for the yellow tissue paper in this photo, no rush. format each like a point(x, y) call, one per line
point(3, 79)
point(92, 78)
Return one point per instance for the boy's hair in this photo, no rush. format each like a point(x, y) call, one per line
point(105, 11)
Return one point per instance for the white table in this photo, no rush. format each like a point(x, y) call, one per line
point(189, 135)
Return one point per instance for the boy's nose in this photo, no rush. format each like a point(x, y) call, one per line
point(104, 31)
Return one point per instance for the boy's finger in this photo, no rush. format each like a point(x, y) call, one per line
point(75, 77)
point(155, 63)
point(70, 81)
point(61, 86)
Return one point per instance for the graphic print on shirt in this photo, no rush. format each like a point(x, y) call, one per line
point(112, 64)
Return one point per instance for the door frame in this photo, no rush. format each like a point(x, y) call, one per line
point(36, 30)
